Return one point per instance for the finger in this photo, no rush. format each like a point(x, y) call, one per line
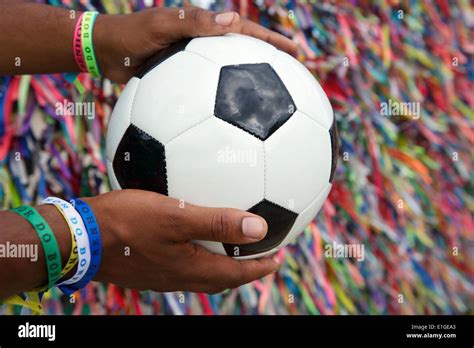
point(283, 43)
point(217, 272)
point(194, 21)
point(224, 225)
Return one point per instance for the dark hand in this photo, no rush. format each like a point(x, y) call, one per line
point(137, 37)
point(147, 243)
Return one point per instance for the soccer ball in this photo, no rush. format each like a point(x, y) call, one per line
point(228, 121)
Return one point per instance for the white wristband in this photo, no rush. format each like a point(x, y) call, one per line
point(82, 239)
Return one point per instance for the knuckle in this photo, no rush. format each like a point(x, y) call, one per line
point(197, 14)
point(152, 20)
point(190, 250)
point(221, 225)
point(236, 279)
point(174, 216)
point(267, 37)
point(206, 274)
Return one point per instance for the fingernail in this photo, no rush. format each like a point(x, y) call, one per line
point(253, 227)
point(225, 18)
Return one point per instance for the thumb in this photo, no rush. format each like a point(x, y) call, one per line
point(224, 225)
point(199, 22)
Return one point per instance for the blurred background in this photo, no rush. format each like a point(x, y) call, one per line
point(399, 75)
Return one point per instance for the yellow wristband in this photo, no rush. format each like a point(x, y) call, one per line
point(87, 26)
point(31, 302)
point(73, 256)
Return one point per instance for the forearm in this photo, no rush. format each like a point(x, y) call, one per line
point(19, 274)
point(24, 272)
point(36, 38)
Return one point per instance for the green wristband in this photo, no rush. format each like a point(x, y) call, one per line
point(87, 26)
point(48, 241)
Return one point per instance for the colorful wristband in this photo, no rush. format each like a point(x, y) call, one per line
point(72, 219)
point(32, 299)
point(87, 26)
point(33, 305)
point(95, 243)
point(82, 241)
point(77, 45)
point(48, 241)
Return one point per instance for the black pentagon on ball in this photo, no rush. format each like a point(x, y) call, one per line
point(334, 149)
point(253, 98)
point(279, 220)
point(139, 162)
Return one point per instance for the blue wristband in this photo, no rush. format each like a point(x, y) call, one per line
point(95, 246)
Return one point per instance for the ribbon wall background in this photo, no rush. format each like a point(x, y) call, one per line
point(403, 187)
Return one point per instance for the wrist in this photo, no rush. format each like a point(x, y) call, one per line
point(109, 235)
point(106, 41)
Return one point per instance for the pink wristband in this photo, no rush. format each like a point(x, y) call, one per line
point(77, 49)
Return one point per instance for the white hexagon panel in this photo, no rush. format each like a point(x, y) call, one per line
point(244, 49)
point(302, 151)
point(216, 164)
point(177, 94)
